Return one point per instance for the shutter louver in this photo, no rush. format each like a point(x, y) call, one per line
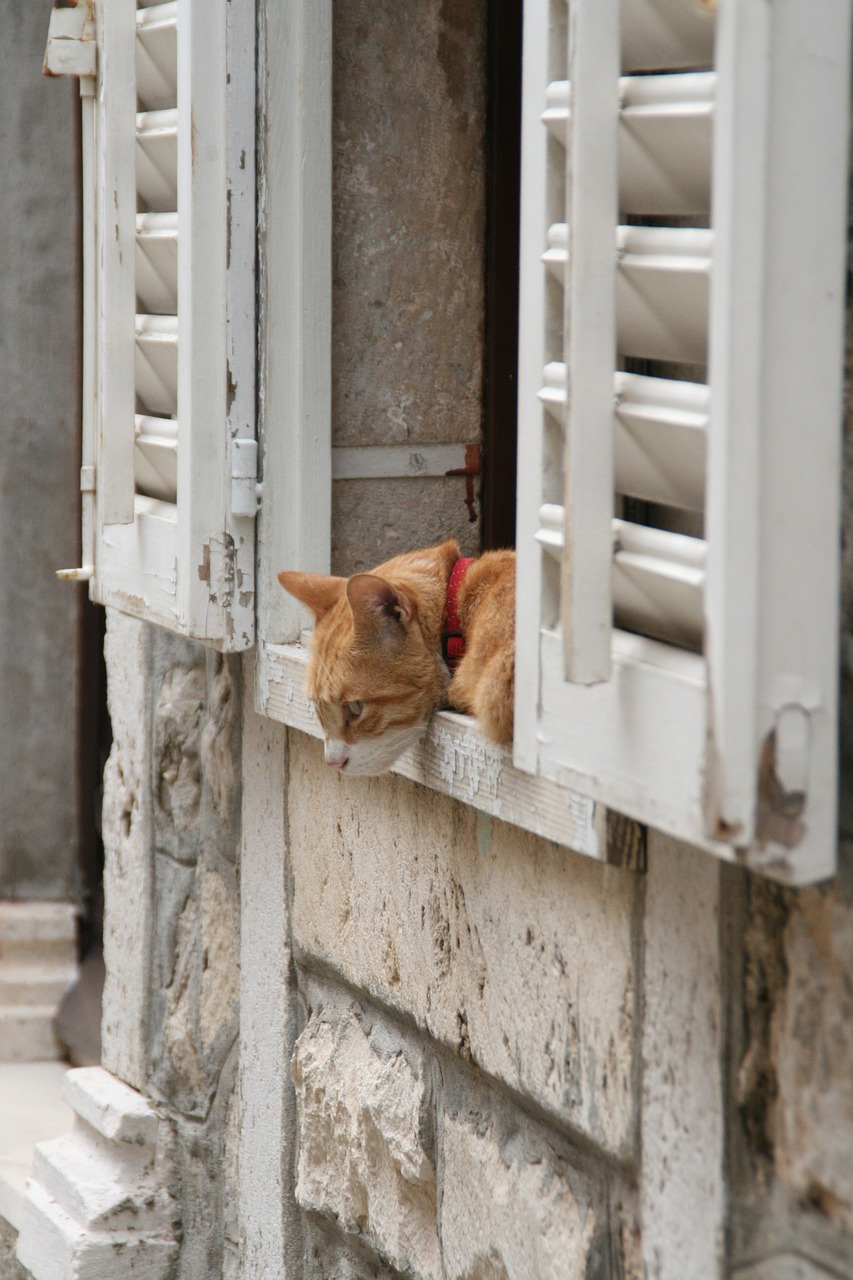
point(173, 148)
point(641, 406)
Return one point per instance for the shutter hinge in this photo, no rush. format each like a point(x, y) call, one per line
point(71, 46)
point(245, 489)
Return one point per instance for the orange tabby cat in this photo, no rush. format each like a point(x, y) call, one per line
point(376, 671)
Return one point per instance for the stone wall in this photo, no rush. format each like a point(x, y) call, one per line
point(408, 263)
point(171, 834)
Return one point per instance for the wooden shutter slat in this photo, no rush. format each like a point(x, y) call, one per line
point(156, 364)
point(157, 160)
point(658, 583)
point(665, 144)
point(658, 577)
point(663, 284)
point(661, 439)
point(665, 129)
point(660, 35)
point(156, 457)
point(157, 57)
point(157, 263)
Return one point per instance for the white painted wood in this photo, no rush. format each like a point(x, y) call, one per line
point(658, 584)
point(116, 27)
point(658, 577)
point(455, 759)
point(157, 263)
point(712, 748)
point(157, 160)
point(663, 287)
point(294, 524)
point(665, 128)
point(156, 364)
point(741, 266)
point(658, 34)
point(798, 435)
point(539, 462)
point(586, 604)
point(157, 56)
point(665, 143)
point(156, 465)
point(661, 439)
point(183, 557)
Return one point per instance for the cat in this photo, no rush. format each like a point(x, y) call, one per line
point(376, 671)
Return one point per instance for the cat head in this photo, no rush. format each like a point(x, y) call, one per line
point(375, 674)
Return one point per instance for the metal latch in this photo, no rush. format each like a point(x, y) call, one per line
point(245, 490)
point(71, 46)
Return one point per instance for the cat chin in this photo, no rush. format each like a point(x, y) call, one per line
point(373, 756)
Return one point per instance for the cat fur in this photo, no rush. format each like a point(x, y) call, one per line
point(376, 673)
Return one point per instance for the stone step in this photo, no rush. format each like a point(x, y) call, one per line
point(35, 984)
point(97, 1206)
point(27, 1035)
point(52, 1245)
point(37, 931)
point(96, 1183)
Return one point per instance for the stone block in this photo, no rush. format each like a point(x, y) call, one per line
point(329, 1255)
point(682, 1192)
point(514, 951)
point(409, 99)
point(511, 1209)
point(128, 837)
point(415, 513)
point(362, 1154)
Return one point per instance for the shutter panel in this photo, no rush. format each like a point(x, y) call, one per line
point(679, 410)
point(169, 150)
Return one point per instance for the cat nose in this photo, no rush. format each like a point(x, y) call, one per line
point(336, 754)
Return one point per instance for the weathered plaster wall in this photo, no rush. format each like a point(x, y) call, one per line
point(408, 255)
point(171, 834)
point(39, 462)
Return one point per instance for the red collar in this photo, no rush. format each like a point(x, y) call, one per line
point(452, 640)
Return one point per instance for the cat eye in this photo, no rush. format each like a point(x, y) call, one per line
point(354, 710)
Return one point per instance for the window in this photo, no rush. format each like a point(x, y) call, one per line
point(680, 344)
point(169, 468)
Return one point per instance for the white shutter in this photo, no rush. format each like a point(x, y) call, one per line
point(169, 473)
point(683, 218)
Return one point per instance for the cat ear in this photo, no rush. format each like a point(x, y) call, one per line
point(379, 612)
point(318, 591)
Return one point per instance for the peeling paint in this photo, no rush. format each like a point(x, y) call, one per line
point(230, 389)
point(204, 567)
point(778, 816)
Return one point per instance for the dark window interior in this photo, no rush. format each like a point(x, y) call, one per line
point(503, 185)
